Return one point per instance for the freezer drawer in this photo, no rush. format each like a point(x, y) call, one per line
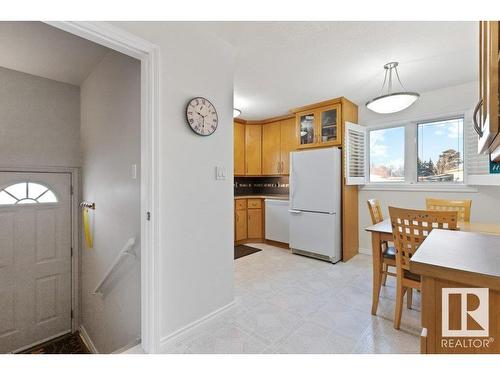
point(315, 234)
point(277, 220)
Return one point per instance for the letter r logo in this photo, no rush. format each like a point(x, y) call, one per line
point(465, 312)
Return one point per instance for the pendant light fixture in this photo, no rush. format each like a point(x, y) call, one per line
point(236, 112)
point(392, 102)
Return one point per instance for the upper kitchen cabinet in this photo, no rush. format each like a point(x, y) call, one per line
point(239, 149)
point(278, 140)
point(320, 124)
point(271, 148)
point(288, 143)
point(253, 150)
point(486, 114)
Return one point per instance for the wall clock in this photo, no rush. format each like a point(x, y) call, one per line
point(201, 116)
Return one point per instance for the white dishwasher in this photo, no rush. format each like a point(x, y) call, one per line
point(277, 220)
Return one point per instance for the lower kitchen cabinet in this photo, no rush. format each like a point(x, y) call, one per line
point(254, 223)
point(240, 218)
point(248, 220)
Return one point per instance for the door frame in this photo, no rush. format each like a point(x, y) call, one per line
point(149, 55)
point(74, 174)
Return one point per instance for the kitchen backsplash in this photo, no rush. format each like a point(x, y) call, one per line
point(261, 185)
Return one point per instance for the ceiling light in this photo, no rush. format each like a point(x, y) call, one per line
point(236, 112)
point(392, 102)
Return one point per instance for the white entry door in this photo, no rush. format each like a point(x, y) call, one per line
point(35, 258)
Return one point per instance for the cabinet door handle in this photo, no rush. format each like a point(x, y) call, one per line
point(477, 128)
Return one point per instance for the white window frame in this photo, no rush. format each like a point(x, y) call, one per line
point(410, 157)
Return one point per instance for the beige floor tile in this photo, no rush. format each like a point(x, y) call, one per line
point(285, 303)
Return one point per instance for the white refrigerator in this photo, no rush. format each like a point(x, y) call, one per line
point(315, 203)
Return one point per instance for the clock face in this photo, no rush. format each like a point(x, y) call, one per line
point(202, 116)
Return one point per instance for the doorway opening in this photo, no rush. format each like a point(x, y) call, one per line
point(52, 271)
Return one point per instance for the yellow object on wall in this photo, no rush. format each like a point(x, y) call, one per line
point(87, 229)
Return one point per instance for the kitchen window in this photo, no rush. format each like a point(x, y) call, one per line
point(440, 151)
point(387, 155)
point(417, 155)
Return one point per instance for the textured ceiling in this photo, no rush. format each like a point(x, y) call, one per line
point(282, 65)
point(42, 50)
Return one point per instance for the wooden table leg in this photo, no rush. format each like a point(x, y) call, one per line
point(377, 269)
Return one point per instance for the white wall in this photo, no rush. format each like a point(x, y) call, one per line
point(196, 214)
point(110, 133)
point(39, 121)
point(433, 104)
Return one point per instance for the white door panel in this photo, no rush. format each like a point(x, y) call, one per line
point(315, 233)
point(35, 263)
point(315, 180)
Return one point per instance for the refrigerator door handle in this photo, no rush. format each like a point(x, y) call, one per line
point(292, 182)
point(295, 211)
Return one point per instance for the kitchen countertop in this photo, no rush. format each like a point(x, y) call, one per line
point(456, 255)
point(263, 196)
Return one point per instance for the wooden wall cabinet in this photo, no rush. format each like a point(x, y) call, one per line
point(288, 143)
point(262, 148)
point(271, 148)
point(253, 150)
point(319, 125)
point(278, 140)
point(486, 114)
point(239, 149)
point(248, 220)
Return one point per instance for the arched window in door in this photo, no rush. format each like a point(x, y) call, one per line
point(27, 193)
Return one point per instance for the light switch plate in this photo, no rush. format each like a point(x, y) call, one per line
point(134, 171)
point(220, 173)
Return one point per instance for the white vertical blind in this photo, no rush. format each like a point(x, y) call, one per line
point(475, 164)
point(355, 154)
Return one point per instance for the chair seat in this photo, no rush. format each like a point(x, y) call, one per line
point(390, 252)
point(411, 276)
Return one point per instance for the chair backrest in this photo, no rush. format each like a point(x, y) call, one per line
point(375, 211)
point(461, 206)
point(411, 227)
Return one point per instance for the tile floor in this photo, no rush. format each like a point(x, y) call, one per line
point(287, 303)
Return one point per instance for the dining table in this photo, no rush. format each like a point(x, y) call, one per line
point(382, 231)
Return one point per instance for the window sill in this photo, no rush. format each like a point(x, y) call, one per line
point(461, 188)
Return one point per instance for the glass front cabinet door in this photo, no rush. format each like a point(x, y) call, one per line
point(329, 127)
point(307, 129)
point(319, 127)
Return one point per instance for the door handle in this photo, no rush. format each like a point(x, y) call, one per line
point(295, 211)
point(477, 128)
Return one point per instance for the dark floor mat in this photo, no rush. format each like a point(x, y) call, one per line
point(67, 344)
point(243, 250)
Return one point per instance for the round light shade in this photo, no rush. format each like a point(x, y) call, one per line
point(392, 103)
point(236, 112)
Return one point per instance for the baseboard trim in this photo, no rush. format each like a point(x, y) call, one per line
point(365, 251)
point(164, 340)
point(134, 343)
point(87, 340)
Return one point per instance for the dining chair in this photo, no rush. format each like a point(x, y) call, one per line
point(409, 230)
point(462, 206)
point(388, 252)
